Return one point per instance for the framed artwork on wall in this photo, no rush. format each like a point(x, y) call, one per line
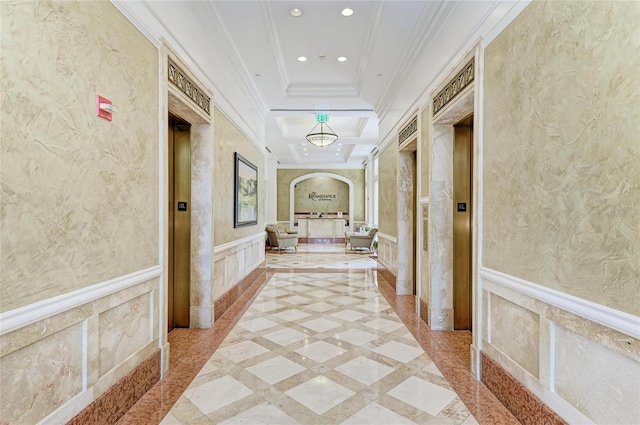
point(245, 192)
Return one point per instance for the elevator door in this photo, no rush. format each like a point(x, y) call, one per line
point(179, 206)
point(462, 209)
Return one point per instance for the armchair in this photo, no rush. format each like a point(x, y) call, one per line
point(365, 240)
point(280, 239)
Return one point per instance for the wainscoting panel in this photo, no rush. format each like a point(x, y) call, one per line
point(388, 252)
point(57, 364)
point(234, 261)
point(580, 360)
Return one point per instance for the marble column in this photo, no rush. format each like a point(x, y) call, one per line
point(201, 297)
point(406, 187)
point(441, 229)
point(271, 176)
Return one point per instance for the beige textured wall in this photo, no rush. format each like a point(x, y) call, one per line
point(321, 186)
point(227, 140)
point(79, 194)
point(561, 175)
point(286, 176)
point(388, 191)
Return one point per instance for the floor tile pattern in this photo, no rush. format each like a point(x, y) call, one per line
point(351, 361)
point(191, 349)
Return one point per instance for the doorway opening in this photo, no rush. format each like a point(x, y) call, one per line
point(179, 231)
point(462, 223)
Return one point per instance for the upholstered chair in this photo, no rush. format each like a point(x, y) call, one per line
point(365, 240)
point(281, 240)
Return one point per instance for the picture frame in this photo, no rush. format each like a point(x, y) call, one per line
point(245, 192)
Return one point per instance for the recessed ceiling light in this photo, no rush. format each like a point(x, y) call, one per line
point(342, 59)
point(338, 149)
point(295, 12)
point(304, 149)
point(347, 12)
point(258, 75)
point(337, 154)
point(302, 58)
point(378, 75)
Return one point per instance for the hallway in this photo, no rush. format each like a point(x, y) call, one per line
point(319, 338)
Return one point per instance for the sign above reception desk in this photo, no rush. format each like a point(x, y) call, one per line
point(323, 196)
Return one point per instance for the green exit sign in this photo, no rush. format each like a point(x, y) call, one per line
point(322, 117)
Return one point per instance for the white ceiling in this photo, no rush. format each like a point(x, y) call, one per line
point(248, 50)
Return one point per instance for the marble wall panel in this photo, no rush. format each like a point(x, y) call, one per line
point(228, 139)
point(286, 176)
point(601, 383)
point(561, 150)
point(425, 147)
point(441, 227)
point(80, 194)
point(388, 191)
point(123, 331)
point(406, 212)
point(202, 164)
point(39, 378)
point(516, 332)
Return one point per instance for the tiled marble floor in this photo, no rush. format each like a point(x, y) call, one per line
point(321, 344)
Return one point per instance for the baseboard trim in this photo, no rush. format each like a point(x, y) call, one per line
point(225, 301)
point(117, 400)
point(517, 398)
point(386, 273)
point(424, 312)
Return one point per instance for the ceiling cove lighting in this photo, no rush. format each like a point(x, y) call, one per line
point(324, 136)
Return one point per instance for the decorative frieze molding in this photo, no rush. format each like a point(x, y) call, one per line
point(188, 87)
point(455, 86)
point(408, 130)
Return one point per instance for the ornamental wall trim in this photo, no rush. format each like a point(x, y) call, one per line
point(455, 86)
point(188, 87)
point(408, 130)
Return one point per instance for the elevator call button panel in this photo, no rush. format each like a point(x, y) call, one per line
point(462, 206)
point(182, 206)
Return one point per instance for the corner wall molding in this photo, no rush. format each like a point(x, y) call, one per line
point(598, 313)
point(32, 313)
point(238, 242)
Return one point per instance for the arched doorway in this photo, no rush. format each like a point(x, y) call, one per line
point(313, 175)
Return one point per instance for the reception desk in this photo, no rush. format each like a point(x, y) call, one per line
point(314, 229)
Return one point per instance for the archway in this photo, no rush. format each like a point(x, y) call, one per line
point(310, 176)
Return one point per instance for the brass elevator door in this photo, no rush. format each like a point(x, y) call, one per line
point(179, 207)
point(462, 209)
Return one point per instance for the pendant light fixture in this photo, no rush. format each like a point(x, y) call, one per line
point(324, 135)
